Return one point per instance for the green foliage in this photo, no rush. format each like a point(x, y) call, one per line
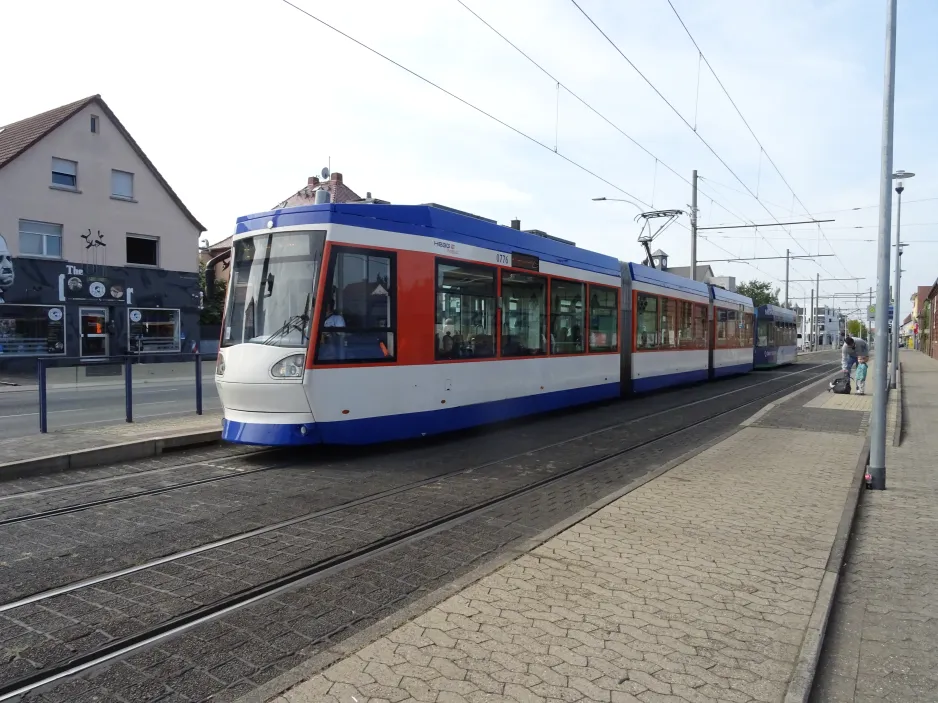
point(212, 305)
point(761, 292)
point(855, 328)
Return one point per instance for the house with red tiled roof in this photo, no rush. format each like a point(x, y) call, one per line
point(98, 254)
point(334, 186)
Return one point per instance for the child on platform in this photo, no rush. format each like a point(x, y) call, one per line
point(861, 375)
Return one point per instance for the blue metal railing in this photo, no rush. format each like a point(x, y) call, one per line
point(128, 361)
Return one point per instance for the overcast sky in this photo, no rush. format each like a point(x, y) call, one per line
point(238, 102)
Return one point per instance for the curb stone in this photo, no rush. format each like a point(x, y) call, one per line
point(110, 454)
point(802, 679)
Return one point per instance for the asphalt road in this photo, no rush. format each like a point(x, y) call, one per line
point(100, 405)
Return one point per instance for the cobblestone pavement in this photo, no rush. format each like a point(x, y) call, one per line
point(227, 658)
point(64, 441)
point(882, 642)
point(695, 587)
point(41, 554)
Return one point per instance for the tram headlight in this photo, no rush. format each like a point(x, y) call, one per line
point(220, 364)
point(291, 367)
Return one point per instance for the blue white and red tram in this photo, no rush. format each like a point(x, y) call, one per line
point(364, 323)
point(776, 337)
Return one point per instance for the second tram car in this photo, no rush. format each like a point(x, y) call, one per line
point(776, 337)
point(364, 323)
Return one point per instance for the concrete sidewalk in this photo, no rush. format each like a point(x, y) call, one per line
point(89, 446)
point(883, 637)
point(709, 583)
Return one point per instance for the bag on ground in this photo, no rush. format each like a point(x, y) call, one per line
point(840, 385)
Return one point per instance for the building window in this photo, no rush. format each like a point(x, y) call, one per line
point(567, 310)
point(604, 319)
point(64, 173)
point(122, 185)
point(153, 330)
point(94, 124)
point(465, 311)
point(646, 321)
point(358, 313)
point(143, 250)
point(40, 239)
point(524, 314)
point(32, 330)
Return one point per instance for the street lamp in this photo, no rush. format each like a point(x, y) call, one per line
point(619, 200)
point(900, 176)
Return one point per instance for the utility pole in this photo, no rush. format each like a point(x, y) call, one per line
point(817, 297)
point(877, 470)
point(787, 259)
point(693, 227)
point(812, 339)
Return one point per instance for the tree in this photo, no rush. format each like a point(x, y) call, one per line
point(213, 305)
point(855, 328)
point(760, 291)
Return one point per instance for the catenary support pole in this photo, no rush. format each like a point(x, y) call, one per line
point(787, 260)
point(693, 227)
point(877, 469)
point(817, 297)
point(811, 337)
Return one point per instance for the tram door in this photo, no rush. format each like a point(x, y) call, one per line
point(94, 334)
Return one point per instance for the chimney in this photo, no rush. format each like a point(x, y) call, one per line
point(312, 181)
point(336, 177)
point(516, 224)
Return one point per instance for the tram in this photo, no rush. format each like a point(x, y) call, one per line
point(776, 338)
point(366, 323)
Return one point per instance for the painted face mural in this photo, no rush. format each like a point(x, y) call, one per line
point(6, 267)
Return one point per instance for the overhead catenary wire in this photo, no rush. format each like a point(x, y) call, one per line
point(751, 131)
point(676, 112)
point(590, 107)
point(465, 102)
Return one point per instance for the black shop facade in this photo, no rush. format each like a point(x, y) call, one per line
point(77, 311)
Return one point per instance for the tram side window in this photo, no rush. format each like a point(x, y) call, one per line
point(732, 328)
point(721, 326)
point(465, 311)
point(566, 317)
point(524, 314)
point(685, 324)
point(766, 331)
point(748, 331)
point(358, 314)
point(701, 329)
point(646, 321)
point(604, 319)
point(668, 323)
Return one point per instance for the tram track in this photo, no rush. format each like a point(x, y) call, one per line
point(287, 463)
point(322, 567)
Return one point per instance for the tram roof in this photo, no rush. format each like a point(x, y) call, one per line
point(430, 221)
point(775, 312)
point(725, 296)
point(653, 276)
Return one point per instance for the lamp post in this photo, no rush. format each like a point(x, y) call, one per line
point(900, 176)
point(877, 470)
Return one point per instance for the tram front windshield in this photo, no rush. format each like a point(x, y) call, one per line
point(272, 288)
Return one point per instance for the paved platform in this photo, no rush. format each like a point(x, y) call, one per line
point(701, 585)
point(123, 441)
point(882, 641)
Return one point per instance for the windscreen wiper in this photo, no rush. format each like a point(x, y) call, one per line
point(297, 322)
